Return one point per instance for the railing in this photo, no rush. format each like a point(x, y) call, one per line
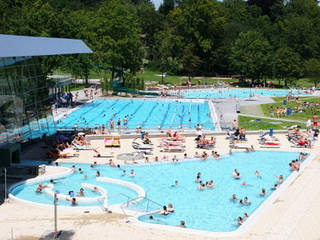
point(137, 200)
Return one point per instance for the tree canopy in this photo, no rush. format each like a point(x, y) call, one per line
point(258, 39)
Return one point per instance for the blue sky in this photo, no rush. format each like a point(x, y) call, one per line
point(157, 3)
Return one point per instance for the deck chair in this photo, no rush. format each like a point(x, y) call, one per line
point(140, 147)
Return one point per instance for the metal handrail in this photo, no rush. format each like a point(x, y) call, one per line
point(133, 200)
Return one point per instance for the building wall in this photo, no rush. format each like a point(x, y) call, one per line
point(25, 103)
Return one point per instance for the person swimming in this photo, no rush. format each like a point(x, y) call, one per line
point(74, 201)
point(40, 188)
point(81, 193)
point(170, 208)
point(52, 181)
point(132, 173)
point(98, 174)
point(182, 224)
point(257, 173)
point(164, 211)
point(233, 197)
point(263, 192)
point(246, 201)
point(201, 186)
point(236, 174)
point(176, 183)
point(198, 178)
point(153, 219)
point(210, 184)
point(280, 179)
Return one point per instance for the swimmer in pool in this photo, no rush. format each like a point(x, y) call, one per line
point(153, 219)
point(81, 193)
point(40, 187)
point(210, 184)
point(233, 197)
point(198, 179)
point(263, 192)
point(98, 174)
point(170, 208)
point(201, 186)
point(52, 181)
point(236, 174)
point(74, 202)
point(275, 187)
point(132, 173)
point(257, 173)
point(182, 224)
point(123, 173)
point(246, 201)
point(280, 179)
point(164, 211)
point(176, 183)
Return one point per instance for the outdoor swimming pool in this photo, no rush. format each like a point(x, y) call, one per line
point(237, 92)
point(209, 209)
point(149, 114)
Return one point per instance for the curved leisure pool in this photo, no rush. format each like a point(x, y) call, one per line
point(209, 209)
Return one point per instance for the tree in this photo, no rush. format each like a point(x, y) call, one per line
point(79, 65)
point(167, 48)
point(167, 6)
point(312, 70)
point(287, 65)
point(271, 8)
point(300, 26)
point(190, 60)
point(116, 37)
point(251, 55)
point(200, 23)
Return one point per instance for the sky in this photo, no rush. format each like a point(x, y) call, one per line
point(157, 3)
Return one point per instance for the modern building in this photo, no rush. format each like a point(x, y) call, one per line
point(25, 102)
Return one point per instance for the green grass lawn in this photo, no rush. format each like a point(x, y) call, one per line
point(302, 116)
point(250, 123)
point(155, 76)
point(77, 87)
point(92, 75)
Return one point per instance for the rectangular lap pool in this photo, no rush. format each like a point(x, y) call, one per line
point(149, 114)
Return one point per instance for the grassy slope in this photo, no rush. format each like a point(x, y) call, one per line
point(264, 124)
point(303, 116)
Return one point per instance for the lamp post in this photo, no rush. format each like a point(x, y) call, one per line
point(55, 202)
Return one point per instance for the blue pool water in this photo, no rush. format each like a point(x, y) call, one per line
point(149, 114)
point(237, 92)
point(209, 209)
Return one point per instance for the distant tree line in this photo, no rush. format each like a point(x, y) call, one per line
point(260, 39)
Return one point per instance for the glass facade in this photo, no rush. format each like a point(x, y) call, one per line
point(25, 102)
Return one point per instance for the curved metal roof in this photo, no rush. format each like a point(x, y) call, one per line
point(18, 46)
